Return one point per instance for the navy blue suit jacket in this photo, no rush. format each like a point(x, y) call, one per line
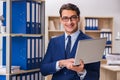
point(56, 51)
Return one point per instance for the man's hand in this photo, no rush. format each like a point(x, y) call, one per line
point(68, 63)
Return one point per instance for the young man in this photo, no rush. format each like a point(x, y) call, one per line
point(59, 58)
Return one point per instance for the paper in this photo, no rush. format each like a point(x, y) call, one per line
point(113, 59)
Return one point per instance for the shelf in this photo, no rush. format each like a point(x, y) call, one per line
point(108, 45)
point(22, 35)
point(102, 17)
point(99, 31)
point(93, 31)
point(56, 31)
point(21, 72)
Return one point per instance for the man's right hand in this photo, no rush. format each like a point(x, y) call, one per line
point(66, 63)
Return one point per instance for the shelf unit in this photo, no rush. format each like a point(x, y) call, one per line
point(23, 41)
point(54, 27)
point(96, 27)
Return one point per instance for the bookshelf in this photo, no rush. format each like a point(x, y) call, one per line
point(54, 27)
point(25, 35)
point(96, 27)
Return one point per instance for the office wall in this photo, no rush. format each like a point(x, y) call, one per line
point(91, 8)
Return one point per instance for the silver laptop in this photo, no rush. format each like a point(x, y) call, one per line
point(90, 50)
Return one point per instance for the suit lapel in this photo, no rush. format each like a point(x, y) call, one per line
point(62, 45)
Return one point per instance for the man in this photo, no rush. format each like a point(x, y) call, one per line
point(59, 59)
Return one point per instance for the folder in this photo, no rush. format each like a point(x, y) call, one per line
point(28, 11)
point(96, 24)
point(37, 10)
point(28, 18)
point(91, 24)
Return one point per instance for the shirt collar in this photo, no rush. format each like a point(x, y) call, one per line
point(73, 35)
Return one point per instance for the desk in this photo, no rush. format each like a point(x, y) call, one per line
point(109, 72)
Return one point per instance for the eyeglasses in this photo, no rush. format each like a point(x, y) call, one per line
point(72, 18)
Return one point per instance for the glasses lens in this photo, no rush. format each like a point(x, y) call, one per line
point(72, 18)
point(65, 19)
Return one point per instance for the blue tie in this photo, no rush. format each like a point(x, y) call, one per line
point(68, 47)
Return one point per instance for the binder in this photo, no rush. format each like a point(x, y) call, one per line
point(91, 24)
point(28, 77)
point(39, 12)
point(36, 76)
point(35, 52)
point(32, 77)
point(29, 52)
point(33, 18)
point(39, 18)
point(28, 18)
point(29, 63)
point(18, 78)
point(14, 78)
point(23, 77)
point(36, 56)
point(40, 50)
point(109, 38)
point(33, 12)
point(28, 11)
point(96, 26)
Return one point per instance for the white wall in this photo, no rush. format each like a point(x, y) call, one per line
point(91, 8)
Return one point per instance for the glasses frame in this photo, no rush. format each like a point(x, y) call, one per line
point(72, 18)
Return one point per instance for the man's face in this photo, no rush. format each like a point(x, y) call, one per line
point(70, 20)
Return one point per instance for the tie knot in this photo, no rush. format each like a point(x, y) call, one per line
point(69, 37)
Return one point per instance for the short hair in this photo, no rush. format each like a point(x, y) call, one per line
point(69, 6)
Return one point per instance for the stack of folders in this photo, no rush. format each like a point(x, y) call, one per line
point(34, 52)
point(34, 27)
point(91, 24)
point(107, 35)
point(113, 59)
point(13, 69)
point(107, 50)
point(33, 18)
